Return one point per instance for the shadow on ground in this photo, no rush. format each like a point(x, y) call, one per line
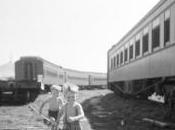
point(111, 112)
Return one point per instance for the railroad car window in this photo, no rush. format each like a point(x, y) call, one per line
point(121, 57)
point(156, 34)
point(111, 63)
point(145, 43)
point(131, 52)
point(114, 62)
point(166, 31)
point(156, 37)
point(126, 54)
point(167, 27)
point(117, 59)
point(137, 51)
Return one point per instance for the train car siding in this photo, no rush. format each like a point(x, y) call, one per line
point(144, 58)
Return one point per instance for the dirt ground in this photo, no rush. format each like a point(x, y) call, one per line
point(103, 109)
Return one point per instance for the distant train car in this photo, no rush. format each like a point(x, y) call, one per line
point(86, 79)
point(98, 80)
point(31, 68)
point(52, 74)
point(79, 78)
point(143, 60)
point(30, 72)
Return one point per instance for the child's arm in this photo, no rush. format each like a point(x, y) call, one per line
point(42, 105)
point(80, 114)
point(60, 101)
point(60, 113)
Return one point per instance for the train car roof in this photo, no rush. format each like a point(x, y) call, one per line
point(138, 24)
point(84, 71)
point(38, 58)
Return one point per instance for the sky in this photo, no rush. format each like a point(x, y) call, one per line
point(75, 34)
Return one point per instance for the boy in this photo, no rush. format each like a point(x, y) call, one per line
point(55, 102)
point(72, 110)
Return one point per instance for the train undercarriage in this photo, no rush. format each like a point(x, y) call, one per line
point(19, 92)
point(164, 86)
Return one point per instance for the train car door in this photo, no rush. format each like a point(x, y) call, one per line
point(28, 67)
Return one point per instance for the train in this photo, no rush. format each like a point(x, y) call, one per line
point(34, 75)
point(142, 62)
point(85, 80)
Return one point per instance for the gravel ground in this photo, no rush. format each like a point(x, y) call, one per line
point(103, 109)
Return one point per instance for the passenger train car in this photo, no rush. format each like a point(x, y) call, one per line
point(33, 72)
point(97, 79)
point(79, 78)
point(85, 79)
point(143, 61)
point(33, 68)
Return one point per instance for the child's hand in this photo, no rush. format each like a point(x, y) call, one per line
point(52, 120)
point(71, 119)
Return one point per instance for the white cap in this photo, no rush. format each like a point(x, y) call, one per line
point(56, 87)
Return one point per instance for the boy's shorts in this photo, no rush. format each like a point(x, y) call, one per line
point(53, 114)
